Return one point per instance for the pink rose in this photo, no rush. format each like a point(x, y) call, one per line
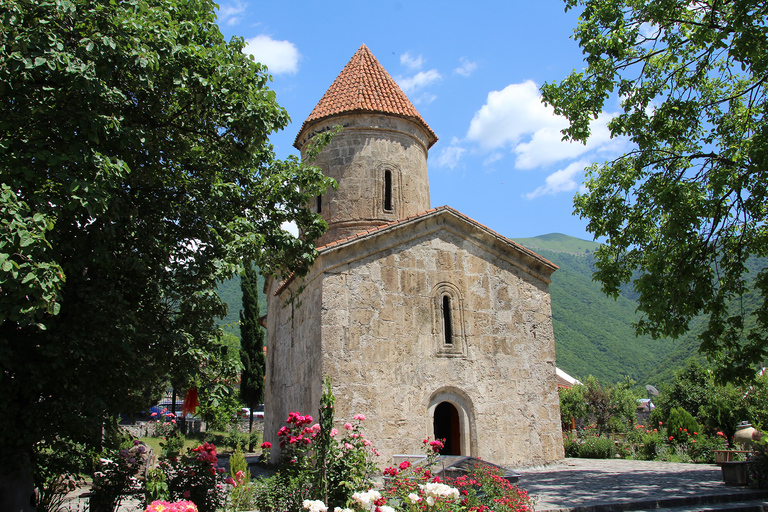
point(360, 417)
point(348, 426)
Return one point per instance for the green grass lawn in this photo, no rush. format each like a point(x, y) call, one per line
point(193, 440)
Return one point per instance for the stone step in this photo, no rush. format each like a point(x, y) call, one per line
point(750, 501)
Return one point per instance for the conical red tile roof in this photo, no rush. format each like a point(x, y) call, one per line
point(365, 86)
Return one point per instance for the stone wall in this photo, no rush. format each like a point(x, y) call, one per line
point(370, 318)
point(382, 337)
point(358, 157)
point(293, 374)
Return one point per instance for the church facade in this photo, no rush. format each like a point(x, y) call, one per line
point(429, 323)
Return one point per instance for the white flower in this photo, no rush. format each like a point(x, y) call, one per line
point(337, 509)
point(315, 506)
point(366, 499)
point(437, 490)
point(386, 508)
point(413, 497)
point(431, 501)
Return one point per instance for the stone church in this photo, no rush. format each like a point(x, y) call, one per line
point(429, 323)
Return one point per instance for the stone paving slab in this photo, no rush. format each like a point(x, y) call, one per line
point(587, 483)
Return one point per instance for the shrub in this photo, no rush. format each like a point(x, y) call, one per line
point(173, 445)
point(282, 493)
point(114, 475)
point(323, 462)
point(482, 488)
point(758, 464)
point(241, 497)
point(680, 424)
point(702, 448)
point(650, 444)
point(597, 447)
point(195, 477)
point(236, 440)
point(571, 445)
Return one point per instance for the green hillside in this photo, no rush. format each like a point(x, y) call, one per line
point(593, 333)
point(231, 293)
point(560, 243)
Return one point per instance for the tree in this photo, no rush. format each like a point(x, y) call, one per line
point(685, 208)
point(136, 174)
point(572, 405)
point(251, 344)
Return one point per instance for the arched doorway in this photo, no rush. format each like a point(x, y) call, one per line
point(447, 426)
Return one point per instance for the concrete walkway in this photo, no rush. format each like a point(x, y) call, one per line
point(597, 484)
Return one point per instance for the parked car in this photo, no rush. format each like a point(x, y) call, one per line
point(258, 412)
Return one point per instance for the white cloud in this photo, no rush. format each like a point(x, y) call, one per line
point(418, 81)
point(279, 56)
point(412, 63)
point(424, 99)
point(560, 181)
point(450, 156)
point(229, 14)
point(466, 68)
point(515, 117)
point(510, 114)
point(546, 145)
point(493, 158)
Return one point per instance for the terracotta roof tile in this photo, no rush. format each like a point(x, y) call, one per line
point(365, 86)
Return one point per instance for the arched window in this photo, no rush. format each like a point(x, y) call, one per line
point(447, 322)
point(448, 327)
point(388, 190)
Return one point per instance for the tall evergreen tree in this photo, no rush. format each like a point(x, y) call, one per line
point(251, 343)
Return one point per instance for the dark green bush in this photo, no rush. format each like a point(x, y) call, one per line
point(597, 447)
point(649, 445)
point(282, 493)
point(681, 425)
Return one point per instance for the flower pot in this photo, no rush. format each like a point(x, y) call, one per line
point(734, 472)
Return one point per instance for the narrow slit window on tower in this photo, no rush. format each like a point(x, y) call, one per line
point(319, 204)
point(447, 323)
point(388, 190)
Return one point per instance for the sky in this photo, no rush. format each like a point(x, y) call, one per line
point(472, 70)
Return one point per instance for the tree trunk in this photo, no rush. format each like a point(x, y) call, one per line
point(250, 430)
point(17, 485)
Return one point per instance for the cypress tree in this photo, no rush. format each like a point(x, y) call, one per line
point(251, 344)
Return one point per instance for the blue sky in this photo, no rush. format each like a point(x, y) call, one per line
point(471, 69)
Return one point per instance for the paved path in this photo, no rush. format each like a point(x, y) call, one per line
point(591, 482)
point(594, 484)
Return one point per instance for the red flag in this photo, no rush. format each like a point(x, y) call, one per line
point(191, 402)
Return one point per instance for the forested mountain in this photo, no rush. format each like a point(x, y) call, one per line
point(593, 333)
point(231, 293)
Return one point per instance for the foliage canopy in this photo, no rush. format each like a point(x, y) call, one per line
point(685, 208)
point(136, 174)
